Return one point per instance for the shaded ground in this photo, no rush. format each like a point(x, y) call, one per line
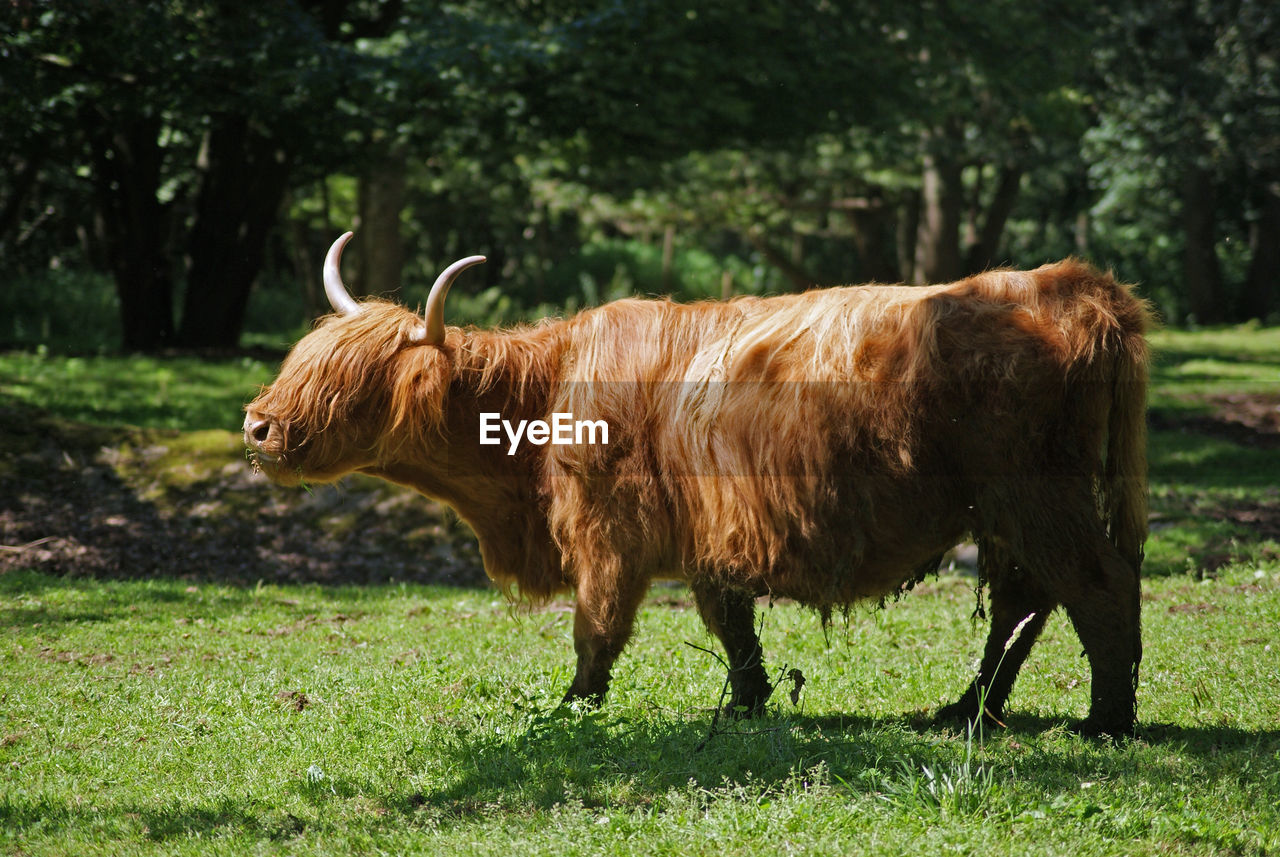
point(85, 500)
point(1233, 523)
point(1249, 420)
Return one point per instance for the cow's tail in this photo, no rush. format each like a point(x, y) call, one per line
point(1125, 471)
point(1125, 477)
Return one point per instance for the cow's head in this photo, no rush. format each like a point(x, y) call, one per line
point(365, 371)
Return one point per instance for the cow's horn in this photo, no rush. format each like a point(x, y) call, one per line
point(342, 302)
point(432, 333)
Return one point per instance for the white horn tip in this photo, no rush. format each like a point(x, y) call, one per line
point(335, 249)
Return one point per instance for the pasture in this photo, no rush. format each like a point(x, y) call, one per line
point(194, 661)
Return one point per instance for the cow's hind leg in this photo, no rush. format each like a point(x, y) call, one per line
point(602, 622)
point(1081, 570)
point(730, 615)
point(1104, 606)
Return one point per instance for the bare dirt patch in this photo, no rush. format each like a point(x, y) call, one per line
point(1251, 419)
point(1263, 519)
point(294, 700)
point(82, 500)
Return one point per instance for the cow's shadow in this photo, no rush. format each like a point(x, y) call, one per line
point(564, 757)
point(604, 759)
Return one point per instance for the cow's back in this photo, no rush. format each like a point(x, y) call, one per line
point(823, 445)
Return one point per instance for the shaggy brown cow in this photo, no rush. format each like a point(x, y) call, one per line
point(825, 447)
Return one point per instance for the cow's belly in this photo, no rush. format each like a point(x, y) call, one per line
point(858, 556)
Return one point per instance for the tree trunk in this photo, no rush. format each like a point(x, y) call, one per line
point(19, 181)
point(127, 158)
point(306, 264)
point(907, 233)
point(244, 176)
point(668, 257)
point(1262, 283)
point(380, 197)
point(982, 252)
point(875, 240)
point(1081, 237)
point(1201, 273)
point(941, 211)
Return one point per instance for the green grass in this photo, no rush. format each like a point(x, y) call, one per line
point(1214, 499)
point(151, 392)
point(158, 717)
point(165, 716)
point(1192, 364)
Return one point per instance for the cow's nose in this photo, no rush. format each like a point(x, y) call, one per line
point(256, 430)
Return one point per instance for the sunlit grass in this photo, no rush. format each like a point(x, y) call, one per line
point(152, 392)
point(1193, 364)
point(168, 718)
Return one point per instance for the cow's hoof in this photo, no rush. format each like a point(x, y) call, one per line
point(966, 711)
point(736, 710)
point(1098, 729)
point(584, 701)
point(956, 712)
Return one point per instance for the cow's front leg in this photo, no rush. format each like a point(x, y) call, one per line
point(730, 615)
point(602, 622)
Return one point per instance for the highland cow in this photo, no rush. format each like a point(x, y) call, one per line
point(825, 447)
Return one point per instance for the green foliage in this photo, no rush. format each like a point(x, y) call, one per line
point(534, 131)
point(64, 311)
point(642, 82)
point(1194, 91)
point(610, 269)
point(277, 316)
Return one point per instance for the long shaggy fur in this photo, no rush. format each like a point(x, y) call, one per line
point(821, 446)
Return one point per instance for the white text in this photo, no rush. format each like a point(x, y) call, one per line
point(563, 429)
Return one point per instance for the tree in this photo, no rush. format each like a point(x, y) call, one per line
point(830, 140)
point(1000, 84)
point(608, 96)
point(942, 108)
point(192, 117)
point(1198, 83)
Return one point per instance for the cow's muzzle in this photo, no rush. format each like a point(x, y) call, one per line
point(263, 435)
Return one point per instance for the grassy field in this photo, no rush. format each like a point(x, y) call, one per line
point(184, 714)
